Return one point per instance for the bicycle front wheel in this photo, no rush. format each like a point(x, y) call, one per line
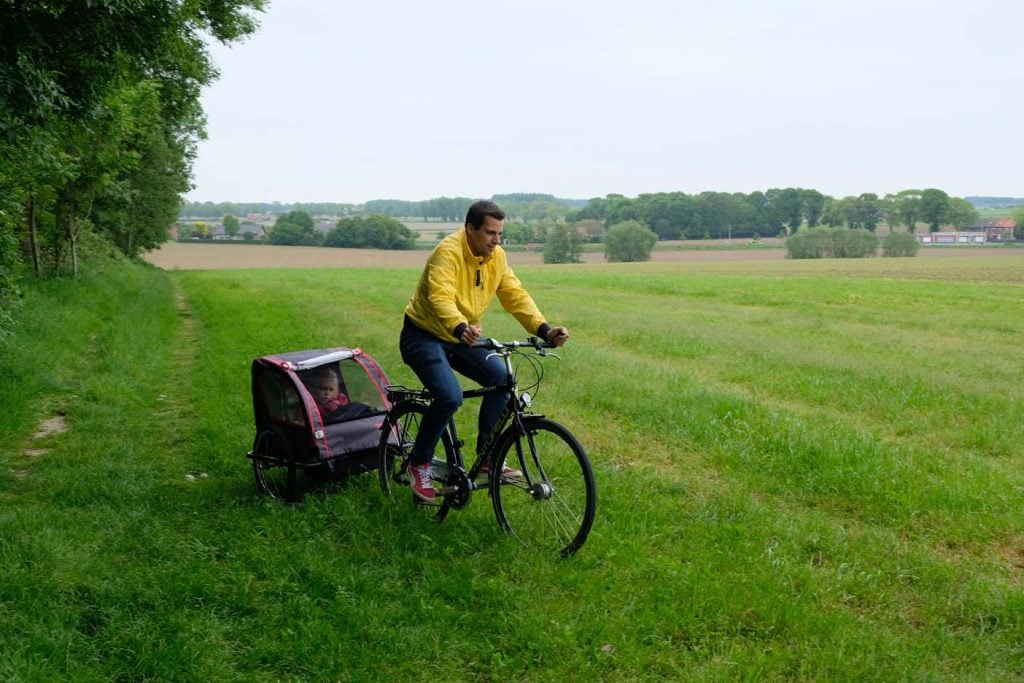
point(552, 505)
point(398, 433)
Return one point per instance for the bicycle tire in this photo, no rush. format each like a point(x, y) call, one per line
point(553, 504)
point(273, 466)
point(398, 432)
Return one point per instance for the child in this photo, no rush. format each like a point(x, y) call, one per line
point(324, 384)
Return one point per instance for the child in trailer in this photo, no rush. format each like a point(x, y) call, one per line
point(328, 389)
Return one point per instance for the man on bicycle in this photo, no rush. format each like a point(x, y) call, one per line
point(442, 321)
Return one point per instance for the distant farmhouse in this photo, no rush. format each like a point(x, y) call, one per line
point(986, 230)
point(996, 229)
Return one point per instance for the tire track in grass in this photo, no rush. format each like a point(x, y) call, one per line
point(183, 359)
point(47, 429)
point(39, 444)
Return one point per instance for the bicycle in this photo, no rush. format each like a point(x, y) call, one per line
point(552, 505)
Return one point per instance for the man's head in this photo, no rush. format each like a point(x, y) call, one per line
point(484, 223)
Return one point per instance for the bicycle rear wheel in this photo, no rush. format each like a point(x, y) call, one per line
point(398, 433)
point(552, 506)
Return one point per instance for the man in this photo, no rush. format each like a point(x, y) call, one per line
point(443, 319)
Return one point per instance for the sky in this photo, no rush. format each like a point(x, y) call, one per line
point(395, 99)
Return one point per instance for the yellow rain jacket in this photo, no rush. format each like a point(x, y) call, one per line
point(456, 287)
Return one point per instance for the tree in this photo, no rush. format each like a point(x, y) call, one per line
point(231, 225)
point(960, 213)
point(668, 214)
point(371, 232)
point(887, 208)
point(100, 115)
point(62, 58)
point(564, 245)
point(619, 208)
point(139, 190)
point(711, 214)
point(790, 207)
point(934, 207)
point(1018, 216)
point(814, 205)
point(629, 241)
point(908, 208)
point(295, 228)
point(517, 233)
point(864, 212)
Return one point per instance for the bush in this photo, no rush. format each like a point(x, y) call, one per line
point(900, 244)
point(564, 245)
point(831, 243)
point(629, 241)
point(296, 235)
point(295, 228)
point(371, 232)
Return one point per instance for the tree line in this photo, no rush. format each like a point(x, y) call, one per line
point(520, 206)
point(715, 215)
point(523, 206)
point(670, 215)
point(99, 120)
point(298, 228)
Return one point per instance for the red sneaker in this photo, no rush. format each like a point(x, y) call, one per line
point(506, 472)
point(419, 480)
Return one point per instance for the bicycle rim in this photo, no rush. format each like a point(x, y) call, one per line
point(394, 450)
point(271, 457)
point(552, 506)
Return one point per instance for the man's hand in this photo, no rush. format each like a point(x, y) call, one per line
point(557, 336)
point(471, 334)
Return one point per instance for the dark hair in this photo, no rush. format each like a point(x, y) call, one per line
point(479, 209)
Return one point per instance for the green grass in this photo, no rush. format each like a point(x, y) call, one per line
point(806, 470)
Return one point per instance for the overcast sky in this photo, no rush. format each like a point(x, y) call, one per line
point(352, 101)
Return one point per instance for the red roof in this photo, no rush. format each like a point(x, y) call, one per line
point(1005, 222)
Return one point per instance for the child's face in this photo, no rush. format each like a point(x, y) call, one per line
point(324, 387)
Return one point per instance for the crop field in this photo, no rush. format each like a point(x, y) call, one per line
point(807, 470)
point(218, 255)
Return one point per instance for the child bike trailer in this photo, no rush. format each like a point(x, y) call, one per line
point(318, 415)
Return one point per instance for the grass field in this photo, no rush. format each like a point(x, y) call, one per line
point(806, 471)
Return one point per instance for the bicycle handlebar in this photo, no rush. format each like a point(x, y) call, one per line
point(495, 345)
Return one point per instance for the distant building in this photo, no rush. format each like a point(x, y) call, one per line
point(996, 229)
point(985, 231)
point(958, 237)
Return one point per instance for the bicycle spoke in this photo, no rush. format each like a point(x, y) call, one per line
point(553, 506)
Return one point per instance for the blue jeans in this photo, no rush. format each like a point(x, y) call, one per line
point(433, 361)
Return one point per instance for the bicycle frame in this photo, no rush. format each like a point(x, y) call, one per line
point(512, 413)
